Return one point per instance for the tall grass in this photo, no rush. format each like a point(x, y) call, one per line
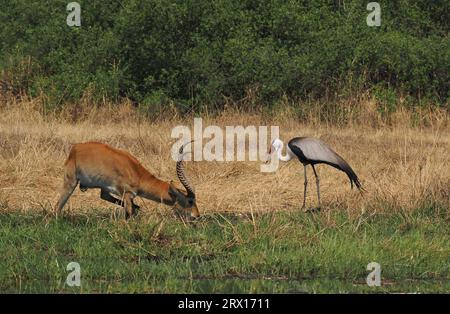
point(402, 159)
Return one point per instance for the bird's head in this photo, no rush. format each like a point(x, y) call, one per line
point(275, 147)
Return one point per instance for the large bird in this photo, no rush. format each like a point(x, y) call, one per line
point(312, 151)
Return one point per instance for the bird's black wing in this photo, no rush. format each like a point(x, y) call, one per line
point(316, 151)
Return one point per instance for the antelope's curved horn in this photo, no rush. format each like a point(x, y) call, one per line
point(181, 172)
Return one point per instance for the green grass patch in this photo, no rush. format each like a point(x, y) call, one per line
point(226, 253)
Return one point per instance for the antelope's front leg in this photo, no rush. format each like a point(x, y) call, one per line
point(129, 205)
point(104, 195)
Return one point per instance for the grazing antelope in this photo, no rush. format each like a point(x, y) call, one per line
point(116, 172)
point(312, 151)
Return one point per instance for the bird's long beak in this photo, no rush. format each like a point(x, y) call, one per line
point(269, 155)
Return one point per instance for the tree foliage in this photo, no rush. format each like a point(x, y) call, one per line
point(202, 52)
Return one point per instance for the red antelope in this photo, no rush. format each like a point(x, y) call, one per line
point(116, 172)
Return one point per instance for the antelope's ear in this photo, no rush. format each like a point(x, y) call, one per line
point(174, 192)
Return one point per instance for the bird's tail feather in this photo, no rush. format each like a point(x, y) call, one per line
point(354, 179)
point(344, 166)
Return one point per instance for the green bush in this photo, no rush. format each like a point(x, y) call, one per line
point(203, 52)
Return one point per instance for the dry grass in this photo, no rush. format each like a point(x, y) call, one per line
point(401, 167)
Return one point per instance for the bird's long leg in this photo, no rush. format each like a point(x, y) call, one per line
point(305, 183)
point(317, 183)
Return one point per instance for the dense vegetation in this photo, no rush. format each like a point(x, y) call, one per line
point(208, 52)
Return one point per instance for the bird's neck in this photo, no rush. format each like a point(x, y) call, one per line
point(289, 154)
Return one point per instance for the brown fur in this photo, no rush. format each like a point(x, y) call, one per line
point(114, 171)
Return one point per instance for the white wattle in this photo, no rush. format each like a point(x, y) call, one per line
point(288, 156)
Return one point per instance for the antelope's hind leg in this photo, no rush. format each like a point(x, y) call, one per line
point(69, 185)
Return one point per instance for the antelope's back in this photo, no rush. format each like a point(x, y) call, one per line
point(101, 160)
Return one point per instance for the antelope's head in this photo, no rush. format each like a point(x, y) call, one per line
point(184, 201)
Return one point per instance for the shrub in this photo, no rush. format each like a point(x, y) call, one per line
point(202, 52)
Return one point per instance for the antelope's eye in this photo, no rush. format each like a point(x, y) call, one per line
point(190, 201)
